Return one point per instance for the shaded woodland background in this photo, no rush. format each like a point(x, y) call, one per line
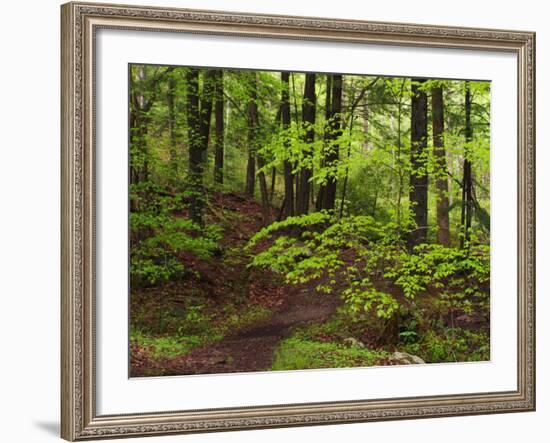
point(286, 220)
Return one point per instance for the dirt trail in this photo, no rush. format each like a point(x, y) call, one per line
point(251, 349)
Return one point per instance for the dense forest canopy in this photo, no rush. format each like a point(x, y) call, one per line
point(373, 189)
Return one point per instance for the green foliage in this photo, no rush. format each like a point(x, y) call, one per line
point(351, 254)
point(178, 331)
point(451, 345)
point(235, 319)
point(168, 346)
point(296, 353)
point(338, 254)
point(407, 299)
point(159, 236)
point(460, 277)
point(362, 296)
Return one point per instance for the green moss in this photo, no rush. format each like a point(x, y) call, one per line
point(196, 329)
point(169, 346)
point(334, 328)
point(296, 353)
point(239, 319)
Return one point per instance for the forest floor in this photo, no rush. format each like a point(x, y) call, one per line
point(225, 317)
point(253, 347)
point(227, 289)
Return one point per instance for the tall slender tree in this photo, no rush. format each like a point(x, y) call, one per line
point(145, 88)
point(252, 113)
point(332, 149)
point(467, 206)
point(418, 186)
point(309, 105)
point(138, 122)
point(170, 98)
point(355, 100)
point(219, 101)
point(287, 166)
point(254, 157)
point(440, 155)
point(199, 113)
point(328, 111)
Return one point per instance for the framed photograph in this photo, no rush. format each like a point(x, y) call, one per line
point(283, 221)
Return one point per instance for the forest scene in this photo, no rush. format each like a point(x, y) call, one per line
point(291, 220)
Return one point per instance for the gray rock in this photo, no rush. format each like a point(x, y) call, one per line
point(354, 343)
point(406, 358)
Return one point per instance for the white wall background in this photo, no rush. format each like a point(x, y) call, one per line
point(29, 219)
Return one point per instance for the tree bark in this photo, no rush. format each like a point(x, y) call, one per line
point(273, 182)
point(206, 101)
point(346, 175)
point(219, 129)
point(441, 182)
point(288, 167)
point(418, 192)
point(172, 123)
point(266, 212)
point(252, 113)
point(332, 150)
point(467, 206)
point(199, 112)
point(328, 112)
point(139, 121)
point(400, 169)
point(308, 117)
point(140, 105)
point(253, 127)
point(195, 146)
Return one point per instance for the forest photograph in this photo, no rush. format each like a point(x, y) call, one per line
point(306, 220)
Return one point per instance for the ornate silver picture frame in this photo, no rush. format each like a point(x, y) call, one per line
point(79, 417)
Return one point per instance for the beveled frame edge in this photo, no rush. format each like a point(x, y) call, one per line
point(78, 418)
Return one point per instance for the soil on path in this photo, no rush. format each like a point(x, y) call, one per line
point(251, 349)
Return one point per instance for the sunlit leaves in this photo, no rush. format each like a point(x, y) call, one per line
point(158, 237)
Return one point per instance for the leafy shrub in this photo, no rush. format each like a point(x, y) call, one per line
point(336, 253)
point(460, 277)
point(368, 266)
point(452, 345)
point(159, 236)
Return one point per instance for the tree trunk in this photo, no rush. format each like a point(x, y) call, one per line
point(266, 212)
point(199, 112)
point(328, 112)
point(253, 126)
point(441, 182)
point(172, 124)
point(354, 103)
point(288, 167)
point(308, 117)
point(140, 105)
point(206, 100)
point(418, 192)
point(346, 175)
point(252, 114)
point(467, 180)
point(332, 149)
point(135, 144)
point(273, 182)
point(400, 169)
point(195, 146)
point(219, 130)
point(139, 119)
